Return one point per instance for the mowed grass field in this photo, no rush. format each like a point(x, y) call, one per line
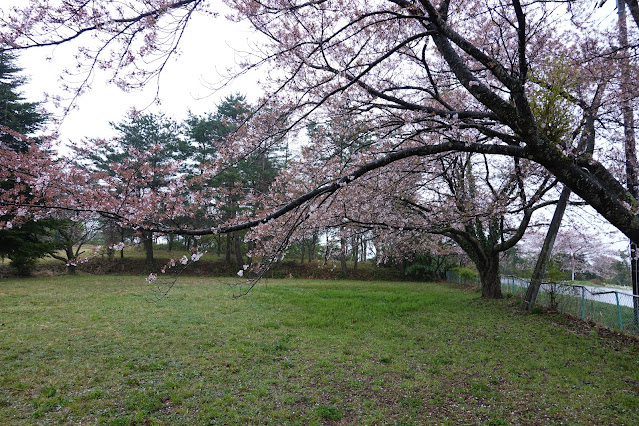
point(91, 350)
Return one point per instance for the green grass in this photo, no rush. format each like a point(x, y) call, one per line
point(602, 313)
point(95, 350)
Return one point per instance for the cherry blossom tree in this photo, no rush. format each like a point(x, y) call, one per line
point(155, 134)
point(71, 237)
point(577, 250)
point(23, 245)
point(238, 184)
point(428, 77)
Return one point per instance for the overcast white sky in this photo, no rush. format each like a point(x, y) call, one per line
point(209, 46)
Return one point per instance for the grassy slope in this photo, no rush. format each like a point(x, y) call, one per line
point(94, 349)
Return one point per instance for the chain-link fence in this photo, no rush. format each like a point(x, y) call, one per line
point(610, 308)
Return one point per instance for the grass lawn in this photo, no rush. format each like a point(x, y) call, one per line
point(95, 349)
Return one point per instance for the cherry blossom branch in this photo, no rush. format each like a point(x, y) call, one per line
point(385, 160)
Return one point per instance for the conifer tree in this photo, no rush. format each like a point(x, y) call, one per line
point(33, 239)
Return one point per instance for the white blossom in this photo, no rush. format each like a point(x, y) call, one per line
point(196, 256)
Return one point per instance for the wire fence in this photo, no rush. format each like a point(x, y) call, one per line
point(610, 308)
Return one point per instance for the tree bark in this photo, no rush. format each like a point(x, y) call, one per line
point(147, 240)
point(238, 248)
point(629, 144)
point(122, 241)
point(342, 257)
point(311, 251)
point(355, 244)
point(546, 250)
point(490, 279)
point(227, 257)
point(170, 245)
point(249, 259)
point(70, 255)
point(110, 237)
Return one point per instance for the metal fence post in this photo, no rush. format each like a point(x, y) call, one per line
point(618, 311)
point(583, 302)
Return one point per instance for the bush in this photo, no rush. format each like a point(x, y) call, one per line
point(465, 275)
point(24, 265)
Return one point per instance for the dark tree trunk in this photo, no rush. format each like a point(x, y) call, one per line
point(238, 248)
point(313, 248)
point(546, 250)
point(490, 279)
point(629, 141)
point(110, 237)
point(249, 259)
point(110, 253)
point(171, 238)
point(355, 252)
point(342, 257)
point(228, 248)
point(634, 273)
point(303, 248)
point(70, 255)
point(122, 241)
point(147, 240)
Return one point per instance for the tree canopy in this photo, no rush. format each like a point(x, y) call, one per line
point(24, 244)
point(427, 79)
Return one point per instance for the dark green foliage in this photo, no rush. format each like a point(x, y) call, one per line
point(15, 113)
point(465, 275)
point(141, 132)
point(24, 245)
point(621, 271)
point(31, 241)
point(252, 173)
point(204, 135)
point(515, 263)
point(428, 266)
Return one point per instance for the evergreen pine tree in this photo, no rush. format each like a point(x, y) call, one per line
point(32, 240)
